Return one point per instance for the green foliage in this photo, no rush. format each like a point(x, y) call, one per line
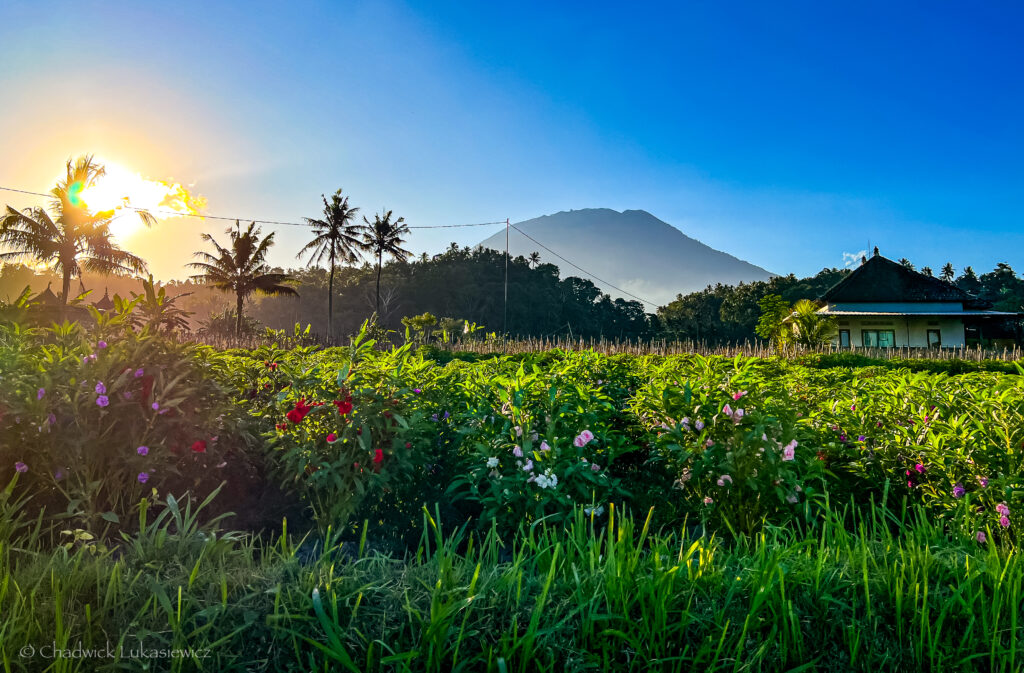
point(774, 310)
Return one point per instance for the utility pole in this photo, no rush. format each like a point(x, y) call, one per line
point(504, 323)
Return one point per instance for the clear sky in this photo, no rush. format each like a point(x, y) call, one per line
point(783, 133)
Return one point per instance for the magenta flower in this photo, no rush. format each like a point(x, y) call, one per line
point(102, 401)
point(736, 396)
point(40, 393)
point(59, 474)
point(143, 477)
point(155, 406)
point(100, 388)
point(789, 451)
point(417, 391)
point(920, 468)
point(727, 410)
point(983, 481)
point(101, 345)
point(1004, 522)
point(980, 537)
point(1003, 509)
point(958, 491)
point(861, 438)
point(51, 419)
point(138, 373)
point(142, 450)
point(20, 467)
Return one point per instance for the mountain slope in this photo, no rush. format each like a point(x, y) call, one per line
point(632, 249)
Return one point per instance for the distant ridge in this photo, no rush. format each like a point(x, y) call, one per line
point(633, 250)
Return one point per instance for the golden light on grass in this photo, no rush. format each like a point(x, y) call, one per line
point(123, 190)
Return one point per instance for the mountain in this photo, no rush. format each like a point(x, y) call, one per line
point(633, 250)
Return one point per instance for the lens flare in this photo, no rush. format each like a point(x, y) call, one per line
point(122, 191)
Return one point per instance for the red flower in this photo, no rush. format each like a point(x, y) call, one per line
point(281, 426)
point(378, 456)
point(199, 447)
point(299, 412)
point(344, 406)
point(332, 437)
point(408, 445)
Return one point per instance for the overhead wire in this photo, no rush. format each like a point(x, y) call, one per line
point(175, 213)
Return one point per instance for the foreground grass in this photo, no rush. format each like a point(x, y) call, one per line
point(600, 595)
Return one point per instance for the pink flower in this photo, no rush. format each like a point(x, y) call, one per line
point(983, 481)
point(20, 467)
point(724, 479)
point(101, 345)
point(708, 500)
point(727, 410)
point(583, 438)
point(594, 467)
point(143, 477)
point(155, 406)
point(102, 401)
point(142, 450)
point(920, 468)
point(517, 452)
point(1004, 522)
point(587, 435)
point(1003, 509)
point(736, 396)
point(331, 437)
point(980, 537)
point(519, 431)
point(789, 451)
point(544, 446)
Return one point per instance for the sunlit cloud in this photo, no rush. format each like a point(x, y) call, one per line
point(124, 191)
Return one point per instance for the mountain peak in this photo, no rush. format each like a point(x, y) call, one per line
point(632, 249)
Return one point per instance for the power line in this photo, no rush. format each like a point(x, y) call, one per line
point(175, 213)
point(580, 268)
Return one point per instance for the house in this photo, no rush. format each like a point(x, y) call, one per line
point(883, 304)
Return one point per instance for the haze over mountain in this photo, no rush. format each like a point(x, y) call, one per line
point(633, 250)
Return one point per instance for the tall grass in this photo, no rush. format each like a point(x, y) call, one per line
point(849, 590)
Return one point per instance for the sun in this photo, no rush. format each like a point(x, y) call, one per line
point(124, 191)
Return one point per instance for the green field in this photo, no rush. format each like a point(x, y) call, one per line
point(178, 507)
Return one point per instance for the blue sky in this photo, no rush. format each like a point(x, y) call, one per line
point(783, 133)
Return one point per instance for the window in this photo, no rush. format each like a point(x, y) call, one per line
point(875, 338)
point(844, 338)
point(934, 338)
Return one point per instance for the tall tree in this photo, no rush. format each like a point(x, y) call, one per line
point(948, 273)
point(74, 240)
point(241, 268)
point(336, 238)
point(384, 237)
point(534, 259)
point(927, 270)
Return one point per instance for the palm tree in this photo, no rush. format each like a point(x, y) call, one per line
point(948, 272)
point(337, 239)
point(906, 263)
point(74, 240)
point(242, 268)
point(813, 329)
point(384, 237)
point(927, 270)
point(534, 259)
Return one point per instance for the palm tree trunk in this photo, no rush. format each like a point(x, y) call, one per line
point(380, 256)
point(330, 302)
point(65, 293)
point(238, 316)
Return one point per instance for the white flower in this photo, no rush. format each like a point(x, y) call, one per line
point(492, 462)
point(517, 452)
point(595, 511)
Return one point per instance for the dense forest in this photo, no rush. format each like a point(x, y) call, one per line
point(468, 284)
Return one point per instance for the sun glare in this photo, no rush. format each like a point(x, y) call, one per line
point(123, 190)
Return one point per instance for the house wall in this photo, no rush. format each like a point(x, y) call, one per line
point(900, 307)
point(910, 331)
